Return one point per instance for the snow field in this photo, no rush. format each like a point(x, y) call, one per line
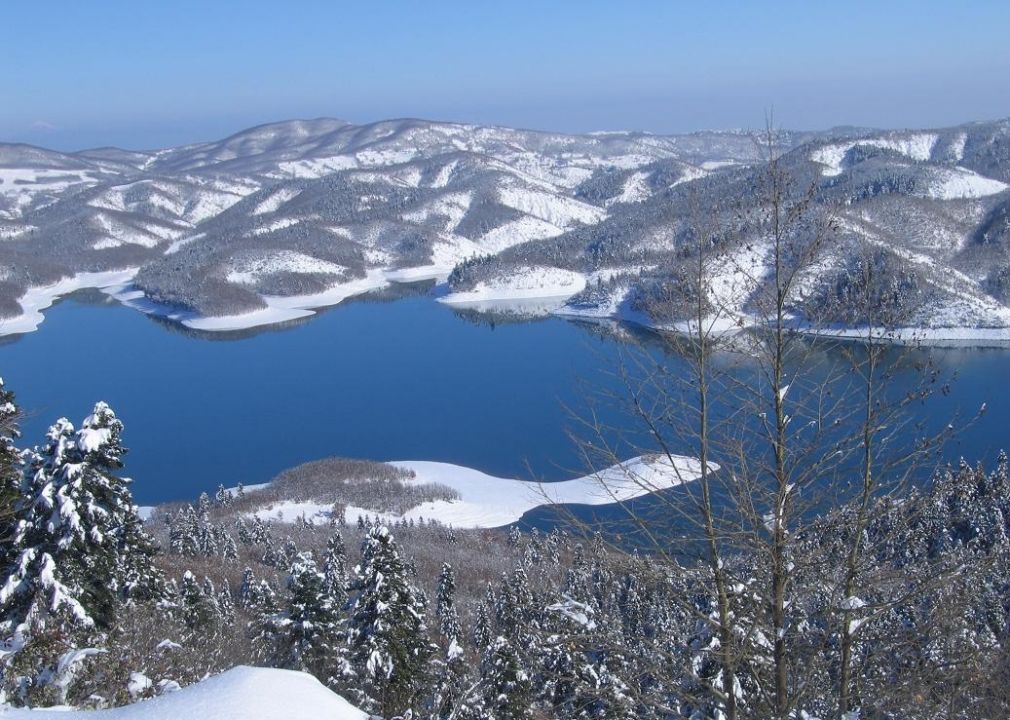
point(523, 283)
point(486, 501)
point(251, 270)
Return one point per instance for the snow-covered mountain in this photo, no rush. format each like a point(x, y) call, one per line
point(271, 222)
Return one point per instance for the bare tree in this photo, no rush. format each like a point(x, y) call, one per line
point(780, 417)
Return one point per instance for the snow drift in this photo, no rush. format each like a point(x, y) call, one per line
point(242, 693)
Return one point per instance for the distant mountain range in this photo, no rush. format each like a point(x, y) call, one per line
point(275, 220)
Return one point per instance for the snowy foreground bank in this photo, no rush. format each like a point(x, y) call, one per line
point(242, 693)
point(486, 501)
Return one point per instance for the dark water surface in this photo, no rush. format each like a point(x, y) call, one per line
point(402, 379)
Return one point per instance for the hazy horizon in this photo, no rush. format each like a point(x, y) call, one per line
point(148, 76)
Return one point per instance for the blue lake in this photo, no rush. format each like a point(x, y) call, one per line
point(406, 378)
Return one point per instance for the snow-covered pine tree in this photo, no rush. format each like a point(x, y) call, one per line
point(223, 497)
point(387, 636)
point(183, 534)
point(306, 634)
point(244, 535)
point(226, 604)
point(208, 537)
point(246, 588)
point(515, 609)
point(80, 545)
point(271, 558)
point(335, 569)
point(229, 549)
point(200, 610)
point(260, 532)
point(445, 606)
point(453, 691)
point(11, 469)
point(482, 632)
point(506, 685)
point(576, 668)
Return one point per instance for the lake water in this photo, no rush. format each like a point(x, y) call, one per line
point(406, 378)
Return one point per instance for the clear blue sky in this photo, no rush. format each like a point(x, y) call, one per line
point(144, 74)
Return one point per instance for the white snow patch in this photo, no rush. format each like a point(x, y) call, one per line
point(278, 224)
point(389, 156)
point(691, 173)
point(124, 234)
point(249, 271)
point(960, 183)
point(316, 167)
point(523, 282)
point(242, 693)
point(209, 204)
point(452, 206)
point(174, 247)
point(9, 232)
point(558, 210)
point(275, 200)
point(710, 165)
point(917, 146)
point(489, 501)
point(517, 231)
point(486, 501)
point(22, 186)
point(444, 174)
point(635, 189)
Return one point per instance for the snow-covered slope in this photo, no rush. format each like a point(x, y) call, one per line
point(397, 200)
point(274, 221)
point(242, 693)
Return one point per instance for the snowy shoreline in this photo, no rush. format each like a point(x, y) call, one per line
point(118, 285)
point(541, 291)
point(488, 501)
point(42, 297)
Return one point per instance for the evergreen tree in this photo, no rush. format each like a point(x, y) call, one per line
point(223, 497)
point(260, 532)
point(388, 641)
point(335, 569)
point(200, 610)
point(80, 545)
point(244, 535)
point(11, 469)
point(225, 603)
point(445, 606)
point(482, 632)
point(507, 687)
point(271, 558)
point(230, 549)
point(183, 536)
point(305, 635)
point(246, 588)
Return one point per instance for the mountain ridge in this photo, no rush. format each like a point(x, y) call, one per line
point(299, 213)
